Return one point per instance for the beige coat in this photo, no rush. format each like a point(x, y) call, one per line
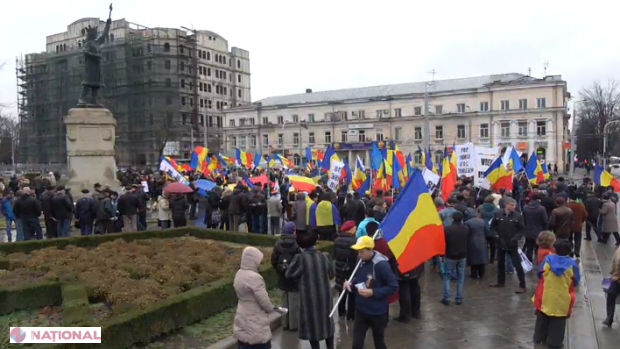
point(608, 214)
point(615, 266)
point(251, 320)
point(163, 209)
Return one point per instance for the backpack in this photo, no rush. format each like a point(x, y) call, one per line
point(283, 262)
point(216, 218)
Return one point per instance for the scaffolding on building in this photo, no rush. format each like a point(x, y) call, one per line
point(142, 73)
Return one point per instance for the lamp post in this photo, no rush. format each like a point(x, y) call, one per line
point(605, 140)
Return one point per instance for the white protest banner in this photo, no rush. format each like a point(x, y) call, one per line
point(145, 186)
point(484, 159)
point(465, 160)
point(335, 171)
point(172, 172)
point(431, 179)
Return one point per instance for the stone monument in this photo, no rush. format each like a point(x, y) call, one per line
point(91, 128)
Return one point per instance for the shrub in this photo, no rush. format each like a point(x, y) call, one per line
point(75, 307)
point(33, 296)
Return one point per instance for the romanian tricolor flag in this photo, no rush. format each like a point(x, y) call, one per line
point(412, 227)
point(329, 155)
point(399, 176)
point(605, 179)
point(545, 170)
point(499, 176)
point(533, 170)
point(285, 162)
point(198, 157)
point(244, 158)
point(448, 176)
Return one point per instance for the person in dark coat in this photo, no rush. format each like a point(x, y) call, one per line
point(488, 211)
point(353, 210)
point(409, 294)
point(345, 261)
point(51, 226)
point(62, 211)
point(456, 253)
point(477, 255)
point(27, 209)
point(224, 205)
point(128, 206)
point(561, 219)
point(508, 223)
point(86, 212)
point(238, 207)
point(284, 251)
point(593, 206)
point(178, 206)
point(314, 270)
point(105, 212)
point(535, 220)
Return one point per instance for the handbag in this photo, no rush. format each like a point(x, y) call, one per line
point(525, 263)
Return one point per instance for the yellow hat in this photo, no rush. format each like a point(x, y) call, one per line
point(364, 242)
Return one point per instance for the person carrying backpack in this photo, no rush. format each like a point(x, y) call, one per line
point(284, 250)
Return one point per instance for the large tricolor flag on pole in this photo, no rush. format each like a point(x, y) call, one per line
point(412, 226)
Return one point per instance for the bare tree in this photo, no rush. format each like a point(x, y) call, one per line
point(164, 132)
point(598, 105)
point(9, 136)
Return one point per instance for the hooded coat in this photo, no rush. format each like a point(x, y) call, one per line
point(251, 323)
point(535, 219)
point(555, 293)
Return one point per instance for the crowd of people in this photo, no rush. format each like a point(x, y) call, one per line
point(541, 224)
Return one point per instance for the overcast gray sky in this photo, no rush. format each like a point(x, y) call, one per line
point(339, 44)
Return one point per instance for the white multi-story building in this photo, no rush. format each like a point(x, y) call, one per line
point(505, 109)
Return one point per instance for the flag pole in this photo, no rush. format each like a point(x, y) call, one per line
point(344, 290)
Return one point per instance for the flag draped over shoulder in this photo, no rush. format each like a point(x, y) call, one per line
point(605, 179)
point(412, 227)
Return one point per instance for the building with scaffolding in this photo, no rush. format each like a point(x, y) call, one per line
point(167, 88)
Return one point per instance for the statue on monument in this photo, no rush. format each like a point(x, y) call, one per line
point(91, 82)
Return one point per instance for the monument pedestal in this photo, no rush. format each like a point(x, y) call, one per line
point(90, 149)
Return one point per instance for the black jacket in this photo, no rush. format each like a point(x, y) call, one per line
point(128, 204)
point(46, 204)
point(27, 207)
point(345, 258)
point(411, 274)
point(104, 208)
point(509, 227)
point(284, 250)
point(353, 210)
point(456, 241)
point(62, 207)
point(178, 206)
point(535, 219)
point(549, 204)
point(86, 209)
point(238, 202)
point(593, 206)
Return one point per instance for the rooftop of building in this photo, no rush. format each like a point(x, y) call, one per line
point(412, 88)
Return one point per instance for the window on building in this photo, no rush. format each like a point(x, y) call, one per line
point(166, 47)
point(280, 140)
point(182, 66)
point(379, 134)
point(398, 113)
point(311, 137)
point(505, 129)
point(417, 111)
point(265, 140)
point(295, 118)
point(505, 105)
point(209, 88)
point(439, 132)
point(398, 133)
point(167, 64)
point(238, 64)
point(183, 100)
point(379, 113)
point(265, 120)
point(523, 104)
point(280, 119)
point(417, 133)
point(522, 128)
point(252, 121)
point(168, 82)
point(182, 83)
point(233, 141)
point(417, 157)
point(541, 128)
point(344, 136)
point(209, 104)
point(327, 137)
point(296, 138)
point(231, 122)
point(241, 122)
point(460, 131)
point(361, 136)
point(310, 117)
point(208, 71)
point(484, 106)
point(183, 118)
point(439, 109)
point(242, 143)
point(484, 131)
point(238, 93)
point(460, 108)
point(252, 140)
point(239, 78)
point(541, 103)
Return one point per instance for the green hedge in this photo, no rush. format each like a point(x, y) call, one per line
point(30, 297)
point(95, 240)
point(75, 307)
point(5, 263)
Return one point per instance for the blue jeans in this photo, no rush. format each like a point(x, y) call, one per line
point(32, 228)
point(63, 227)
point(86, 228)
point(20, 230)
point(9, 236)
point(454, 268)
point(510, 268)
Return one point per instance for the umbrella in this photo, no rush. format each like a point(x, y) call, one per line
point(262, 179)
point(204, 186)
point(178, 188)
point(302, 183)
